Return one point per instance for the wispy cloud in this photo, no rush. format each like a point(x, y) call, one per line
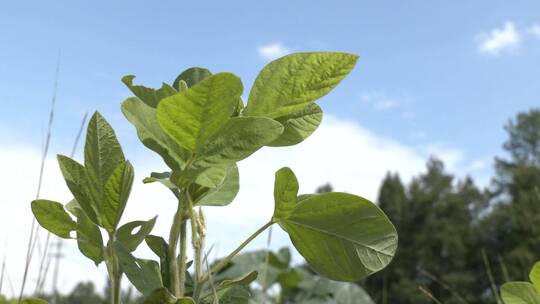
point(499, 40)
point(380, 101)
point(534, 30)
point(273, 50)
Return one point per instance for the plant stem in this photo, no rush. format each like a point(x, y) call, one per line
point(173, 243)
point(183, 256)
point(115, 275)
point(231, 255)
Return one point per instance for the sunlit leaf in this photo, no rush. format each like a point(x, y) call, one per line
point(519, 293)
point(145, 121)
point(292, 82)
point(342, 236)
point(149, 96)
point(52, 216)
point(117, 190)
point(298, 125)
point(191, 77)
point(191, 117)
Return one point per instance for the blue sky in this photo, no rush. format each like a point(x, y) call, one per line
point(422, 56)
point(434, 77)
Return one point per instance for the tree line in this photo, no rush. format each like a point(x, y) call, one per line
point(458, 243)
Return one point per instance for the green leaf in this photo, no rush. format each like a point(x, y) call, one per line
point(148, 95)
point(160, 247)
point(145, 121)
point(34, 301)
point(292, 82)
point(264, 262)
point(285, 192)
point(117, 190)
point(244, 280)
point(132, 240)
point(222, 195)
point(238, 139)
point(191, 76)
point(163, 296)
point(350, 293)
point(89, 238)
point(191, 117)
point(143, 274)
point(289, 278)
point(519, 293)
point(102, 153)
point(160, 296)
point(239, 108)
point(233, 295)
point(534, 276)
point(210, 177)
point(342, 236)
point(52, 216)
point(162, 178)
point(298, 125)
point(77, 182)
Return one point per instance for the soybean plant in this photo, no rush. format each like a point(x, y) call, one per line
point(201, 128)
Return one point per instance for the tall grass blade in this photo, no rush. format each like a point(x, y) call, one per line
point(34, 228)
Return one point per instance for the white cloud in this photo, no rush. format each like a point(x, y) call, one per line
point(343, 153)
point(273, 50)
point(499, 40)
point(380, 101)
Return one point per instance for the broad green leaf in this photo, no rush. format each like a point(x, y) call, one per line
point(519, 293)
point(238, 139)
point(160, 247)
point(298, 125)
point(223, 194)
point(89, 238)
point(191, 77)
point(77, 182)
point(117, 190)
point(145, 121)
point(33, 301)
point(292, 82)
point(143, 274)
point(210, 177)
point(131, 240)
point(102, 153)
point(191, 117)
point(149, 96)
point(285, 192)
point(342, 236)
point(52, 216)
point(534, 276)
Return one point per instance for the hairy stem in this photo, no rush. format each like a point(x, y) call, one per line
point(173, 244)
point(113, 267)
point(231, 255)
point(183, 257)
